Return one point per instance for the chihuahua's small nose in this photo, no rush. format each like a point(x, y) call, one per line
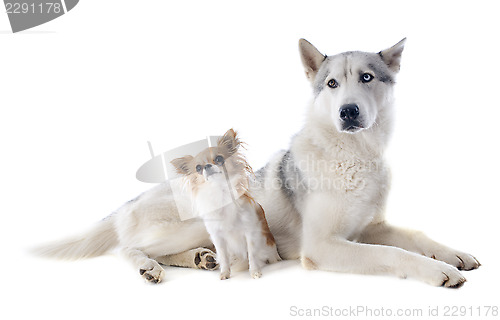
point(208, 166)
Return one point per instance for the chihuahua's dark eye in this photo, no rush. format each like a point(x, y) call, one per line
point(199, 169)
point(332, 83)
point(219, 160)
point(366, 77)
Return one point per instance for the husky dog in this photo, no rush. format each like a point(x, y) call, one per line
point(217, 178)
point(328, 208)
point(324, 198)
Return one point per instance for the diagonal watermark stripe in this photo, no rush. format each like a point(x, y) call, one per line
point(26, 14)
point(159, 169)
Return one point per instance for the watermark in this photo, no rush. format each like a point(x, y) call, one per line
point(159, 169)
point(363, 311)
point(323, 175)
point(290, 175)
point(26, 14)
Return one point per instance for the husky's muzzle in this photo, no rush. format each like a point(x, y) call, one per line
point(349, 114)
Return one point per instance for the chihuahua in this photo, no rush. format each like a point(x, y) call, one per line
point(218, 180)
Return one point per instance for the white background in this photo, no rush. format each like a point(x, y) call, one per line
point(81, 95)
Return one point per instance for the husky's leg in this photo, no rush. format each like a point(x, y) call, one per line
point(416, 241)
point(199, 258)
point(148, 268)
point(322, 249)
point(344, 256)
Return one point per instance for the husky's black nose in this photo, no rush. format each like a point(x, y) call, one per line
point(349, 112)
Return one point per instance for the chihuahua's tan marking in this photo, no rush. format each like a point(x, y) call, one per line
point(262, 218)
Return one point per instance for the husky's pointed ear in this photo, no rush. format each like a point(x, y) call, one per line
point(181, 165)
point(311, 58)
point(229, 140)
point(392, 56)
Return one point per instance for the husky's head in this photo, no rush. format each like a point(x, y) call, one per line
point(351, 88)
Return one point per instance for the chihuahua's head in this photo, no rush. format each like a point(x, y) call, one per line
point(215, 165)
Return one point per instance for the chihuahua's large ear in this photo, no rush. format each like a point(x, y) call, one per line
point(392, 56)
point(229, 140)
point(182, 164)
point(311, 58)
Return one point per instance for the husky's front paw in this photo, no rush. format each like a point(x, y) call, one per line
point(152, 272)
point(452, 278)
point(205, 259)
point(442, 274)
point(460, 260)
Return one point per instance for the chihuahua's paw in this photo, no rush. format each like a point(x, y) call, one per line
point(273, 259)
point(256, 274)
point(225, 275)
point(152, 272)
point(205, 259)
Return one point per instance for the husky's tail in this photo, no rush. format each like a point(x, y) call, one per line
point(99, 240)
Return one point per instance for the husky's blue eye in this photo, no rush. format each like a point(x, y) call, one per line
point(199, 169)
point(332, 83)
point(219, 160)
point(366, 77)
